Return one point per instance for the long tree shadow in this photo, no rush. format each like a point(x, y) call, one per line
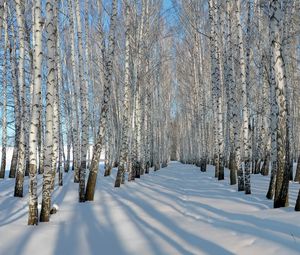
point(18, 246)
point(262, 228)
point(233, 219)
point(87, 229)
point(14, 208)
point(214, 193)
point(192, 240)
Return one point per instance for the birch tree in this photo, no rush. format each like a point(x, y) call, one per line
point(278, 66)
point(4, 89)
point(125, 128)
point(22, 87)
point(35, 114)
point(246, 142)
point(51, 79)
point(84, 108)
point(94, 168)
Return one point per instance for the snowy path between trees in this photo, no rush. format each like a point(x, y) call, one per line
point(176, 210)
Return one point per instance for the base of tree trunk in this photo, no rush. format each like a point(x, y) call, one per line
point(297, 206)
point(241, 182)
point(107, 171)
point(13, 166)
point(33, 215)
point(265, 167)
point(90, 187)
point(164, 164)
point(123, 178)
point(60, 179)
point(232, 177)
point(157, 166)
point(147, 168)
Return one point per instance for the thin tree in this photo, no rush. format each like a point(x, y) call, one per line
point(4, 93)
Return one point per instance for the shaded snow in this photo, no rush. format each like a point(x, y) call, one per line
point(176, 210)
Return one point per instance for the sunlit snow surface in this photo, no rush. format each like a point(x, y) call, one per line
point(176, 210)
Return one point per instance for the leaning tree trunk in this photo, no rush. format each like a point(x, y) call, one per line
point(94, 168)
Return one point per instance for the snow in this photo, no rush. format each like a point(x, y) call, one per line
point(176, 210)
point(55, 206)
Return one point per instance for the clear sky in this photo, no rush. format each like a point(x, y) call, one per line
point(167, 4)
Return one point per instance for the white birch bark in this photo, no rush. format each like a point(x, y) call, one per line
point(55, 101)
point(125, 119)
point(83, 106)
point(22, 87)
point(51, 79)
point(245, 126)
point(35, 114)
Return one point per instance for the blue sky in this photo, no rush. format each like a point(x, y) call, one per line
point(167, 4)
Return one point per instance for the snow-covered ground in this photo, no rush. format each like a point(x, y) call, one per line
point(176, 210)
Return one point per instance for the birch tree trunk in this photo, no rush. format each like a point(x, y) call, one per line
point(51, 79)
point(297, 206)
point(4, 92)
point(278, 65)
point(35, 114)
point(94, 168)
point(59, 140)
point(297, 175)
point(2, 19)
point(55, 108)
point(217, 89)
point(243, 76)
point(273, 131)
point(22, 87)
point(125, 119)
point(83, 106)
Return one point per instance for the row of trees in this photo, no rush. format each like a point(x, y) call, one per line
point(81, 73)
point(243, 92)
point(218, 85)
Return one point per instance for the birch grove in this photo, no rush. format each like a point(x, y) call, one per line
point(116, 81)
